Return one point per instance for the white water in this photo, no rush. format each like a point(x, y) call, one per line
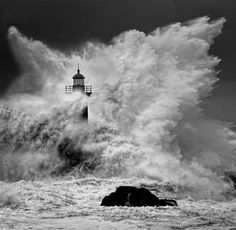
point(75, 204)
point(145, 121)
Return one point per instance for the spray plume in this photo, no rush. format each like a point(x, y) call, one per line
point(146, 116)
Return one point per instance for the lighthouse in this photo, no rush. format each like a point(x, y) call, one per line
point(78, 85)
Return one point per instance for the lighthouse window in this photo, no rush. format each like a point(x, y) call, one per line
point(78, 82)
point(81, 81)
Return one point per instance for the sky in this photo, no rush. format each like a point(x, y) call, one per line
point(65, 24)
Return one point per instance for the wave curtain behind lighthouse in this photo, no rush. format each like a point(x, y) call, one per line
point(146, 115)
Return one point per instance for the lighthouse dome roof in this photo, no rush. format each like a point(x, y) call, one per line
point(78, 76)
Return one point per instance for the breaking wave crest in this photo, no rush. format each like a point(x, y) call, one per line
point(145, 114)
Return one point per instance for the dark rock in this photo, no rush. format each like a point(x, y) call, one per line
point(132, 196)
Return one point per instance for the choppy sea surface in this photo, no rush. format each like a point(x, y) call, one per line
point(71, 203)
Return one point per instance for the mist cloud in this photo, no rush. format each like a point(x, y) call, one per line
point(146, 112)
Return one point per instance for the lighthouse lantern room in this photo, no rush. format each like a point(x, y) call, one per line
point(78, 84)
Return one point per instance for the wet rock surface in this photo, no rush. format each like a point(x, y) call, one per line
point(135, 197)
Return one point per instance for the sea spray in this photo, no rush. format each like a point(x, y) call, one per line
point(146, 117)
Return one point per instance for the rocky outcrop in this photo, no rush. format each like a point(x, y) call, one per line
point(134, 197)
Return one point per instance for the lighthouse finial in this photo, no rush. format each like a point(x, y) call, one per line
point(78, 68)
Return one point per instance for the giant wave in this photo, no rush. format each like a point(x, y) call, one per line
point(146, 112)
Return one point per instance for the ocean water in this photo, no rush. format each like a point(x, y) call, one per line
point(71, 203)
point(147, 127)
